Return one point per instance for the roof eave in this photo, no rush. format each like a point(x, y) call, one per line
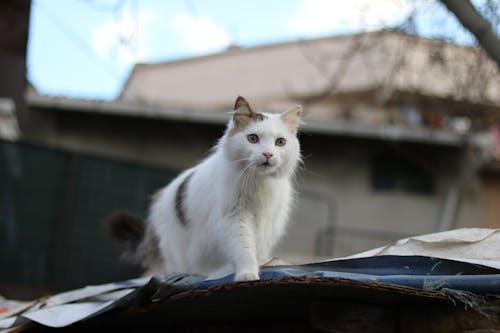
point(333, 128)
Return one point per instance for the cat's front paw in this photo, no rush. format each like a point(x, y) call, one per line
point(246, 276)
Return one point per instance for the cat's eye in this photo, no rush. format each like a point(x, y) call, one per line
point(280, 142)
point(253, 138)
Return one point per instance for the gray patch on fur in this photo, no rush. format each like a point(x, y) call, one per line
point(180, 196)
point(135, 238)
point(260, 116)
point(147, 253)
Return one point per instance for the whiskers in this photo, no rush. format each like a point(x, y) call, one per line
point(246, 179)
point(244, 173)
point(239, 160)
point(301, 169)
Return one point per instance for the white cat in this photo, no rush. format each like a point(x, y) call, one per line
point(230, 209)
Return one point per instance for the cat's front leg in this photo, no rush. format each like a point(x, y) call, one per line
point(240, 248)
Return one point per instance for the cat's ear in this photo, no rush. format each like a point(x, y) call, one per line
point(291, 117)
point(242, 104)
point(243, 113)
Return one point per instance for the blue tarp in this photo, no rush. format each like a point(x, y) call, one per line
point(413, 271)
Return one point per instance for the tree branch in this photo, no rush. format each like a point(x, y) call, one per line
point(477, 25)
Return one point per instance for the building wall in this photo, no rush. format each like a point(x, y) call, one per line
point(490, 188)
point(277, 75)
point(175, 145)
point(363, 217)
point(339, 211)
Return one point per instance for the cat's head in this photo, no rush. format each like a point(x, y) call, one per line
point(264, 143)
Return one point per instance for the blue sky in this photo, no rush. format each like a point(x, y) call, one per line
point(86, 48)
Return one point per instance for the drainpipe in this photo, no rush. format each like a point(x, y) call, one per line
point(474, 153)
point(450, 206)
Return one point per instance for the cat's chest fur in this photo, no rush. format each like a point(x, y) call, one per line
point(259, 196)
point(266, 201)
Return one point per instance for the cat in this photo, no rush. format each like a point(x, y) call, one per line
point(230, 210)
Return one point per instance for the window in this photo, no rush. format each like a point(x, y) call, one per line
point(391, 171)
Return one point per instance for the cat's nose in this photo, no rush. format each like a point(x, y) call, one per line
point(267, 155)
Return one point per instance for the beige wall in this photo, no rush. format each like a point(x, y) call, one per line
point(334, 187)
point(276, 76)
point(364, 218)
point(490, 189)
point(152, 141)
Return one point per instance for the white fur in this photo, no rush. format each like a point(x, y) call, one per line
point(236, 208)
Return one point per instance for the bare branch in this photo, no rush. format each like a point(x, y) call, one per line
point(477, 25)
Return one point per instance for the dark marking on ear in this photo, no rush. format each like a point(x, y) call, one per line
point(243, 115)
point(180, 198)
point(260, 117)
point(241, 103)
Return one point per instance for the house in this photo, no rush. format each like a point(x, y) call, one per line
point(395, 141)
point(365, 78)
point(374, 85)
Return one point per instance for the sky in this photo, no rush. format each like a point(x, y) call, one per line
point(87, 48)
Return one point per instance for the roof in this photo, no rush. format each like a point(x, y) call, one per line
point(220, 117)
point(275, 75)
point(451, 275)
point(283, 295)
point(367, 68)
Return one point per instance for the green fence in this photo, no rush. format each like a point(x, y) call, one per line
point(52, 207)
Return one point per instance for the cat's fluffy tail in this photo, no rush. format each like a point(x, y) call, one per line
point(134, 238)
